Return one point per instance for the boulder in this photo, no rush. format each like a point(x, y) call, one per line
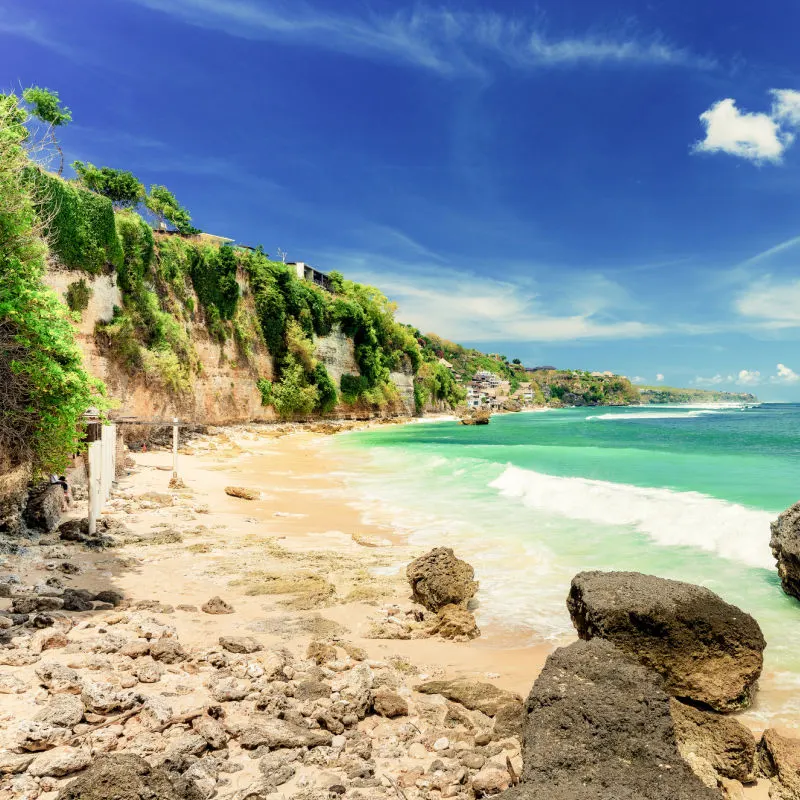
point(63, 710)
point(785, 545)
point(239, 644)
point(598, 727)
point(216, 605)
point(779, 760)
point(43, 511)
point(474, 695)
point(389, 704)
point(439, 579)
point(457, 623)
point(242, 492)
point(705, 649)
point(167, 650)
point(58, 678)
point(714, 746)
point(127, 777)
point(59, 762)
point(277, 733)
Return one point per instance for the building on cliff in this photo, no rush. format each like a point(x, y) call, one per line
point(305, 272)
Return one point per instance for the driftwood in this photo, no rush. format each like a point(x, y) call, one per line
point(178, 720)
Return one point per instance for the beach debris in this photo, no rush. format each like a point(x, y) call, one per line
point(785, 545)
point(713, 745)
point(705, 649)
point(599, 728)
point(779, 760)
point(216, 605)
point(243, 492)
point(439, 579)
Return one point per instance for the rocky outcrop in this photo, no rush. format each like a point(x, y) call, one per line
point(785, 545)
point(43, 511)
point(474, 695)
point(779, 760)
point(706, 649)
point(713, 745)
point(477, 416)
point(128, 777)
point(440, 579)
point(598, 727)
point(456, 623)
point(13, 492)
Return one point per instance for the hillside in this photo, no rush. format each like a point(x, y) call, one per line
point(669, 394)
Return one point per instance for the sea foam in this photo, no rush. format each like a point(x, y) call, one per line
point(669, 518)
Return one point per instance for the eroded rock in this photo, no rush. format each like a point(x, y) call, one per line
point(779, 760)
point(439, 578)
point(785, 545)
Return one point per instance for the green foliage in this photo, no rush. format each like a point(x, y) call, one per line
point(46, 106)
point(163, 203)
point(78, 295)
point(435, 383)
point(353, 386)
point(669, 394)
point(265, 387)
point(326, 388)
point(213, 273)
point(122, 188)
point(292, 396)
point(79, 225)
point(45, 388)
point(337, 281)
point(136, 242)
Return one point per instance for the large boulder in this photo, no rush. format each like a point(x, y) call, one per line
point(779, 760)
point(43, 511)
point(439, 579)
point(715, 746)
point(128, 777)
point(598, 727)
point(706, 649)
point(474, 695)
point(785, 545)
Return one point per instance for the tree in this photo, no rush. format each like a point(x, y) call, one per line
point(122, 188)
point(163, 203)
point(516, 361)
point(46, 106)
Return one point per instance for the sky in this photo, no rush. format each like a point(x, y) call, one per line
point(603, 186)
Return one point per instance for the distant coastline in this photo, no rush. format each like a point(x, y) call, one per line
point(658, 395)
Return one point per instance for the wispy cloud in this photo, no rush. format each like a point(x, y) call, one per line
point(443, 41)
point(715, 380)
point(33, 31)
point(776, 304)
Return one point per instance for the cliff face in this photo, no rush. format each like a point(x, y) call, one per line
point(224, 390)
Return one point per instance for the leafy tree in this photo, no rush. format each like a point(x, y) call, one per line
point(163, 203)
point(121, 187)
point(516, 361)
point(337, 281)
point(46, 106)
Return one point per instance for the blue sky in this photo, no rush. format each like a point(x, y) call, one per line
point(604, 186)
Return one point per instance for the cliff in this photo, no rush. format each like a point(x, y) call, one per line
point(669, 394)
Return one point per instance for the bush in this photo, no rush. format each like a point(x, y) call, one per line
point(78, 295)
point(328, 396)
point(292, 395)
point(265, 387)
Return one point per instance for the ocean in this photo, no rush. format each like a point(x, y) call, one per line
point(684, 492)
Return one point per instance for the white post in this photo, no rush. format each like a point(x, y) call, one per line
point(175, 447)
point(94, 481)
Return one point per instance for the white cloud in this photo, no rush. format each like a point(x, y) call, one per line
point(775, 303)
point(444, 41)
point(786, 106)
point(748, 377)
point(638, 379)
point(659, 378)
point(716, 380)
point(785, 375)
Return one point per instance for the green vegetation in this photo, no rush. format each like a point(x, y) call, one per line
point(163, 204)
point(576, 388)
point(45, 390)
point(122, 188)
point(668, 394)
point(435, 382)
point(78, 295)
point(46, 107)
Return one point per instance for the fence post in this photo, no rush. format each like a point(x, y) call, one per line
point(175, 447)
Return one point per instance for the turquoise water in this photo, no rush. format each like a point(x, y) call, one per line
point(531, 499)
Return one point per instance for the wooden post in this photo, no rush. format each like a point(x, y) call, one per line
point(175, 447)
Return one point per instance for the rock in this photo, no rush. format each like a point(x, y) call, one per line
point(227, 689)
point(389, 704)
point(127, 777)
point(147, 671)
point(43, 511)
point(276, 733)
point(13, 763)
point(212, 730)
point(474, 695)
point(320, 653)
point(77, 600)
point(156, 714)
point(455, 622)
point(355, 689)
point(158, 499)
point(11, 684)
point(779, 760)
point(47, 639)
point(59, 679)
point(239, 644)
point(110, 596)
point(713, 745)
point(34, 736)
point(63, 710)
point(509, 721)
point(785, 545)
point(706, 649)
point(490, 781)
point(439, 579)
point(167, 650)
point(103, 698)
point(59, 762)
point(242, 492)
point(30, 604)
point(216, 605)
point(598, 727)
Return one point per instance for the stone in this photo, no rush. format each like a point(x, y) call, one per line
point(11, 684)
point(355, 689)
point(779, 760)
point(705, 649)
point(110, 596)
point(490, 781)
point(43, 511)
point(30, 604)
point(58, 678)
point(216, 605)
point(440, 579)
point(47, 639)
point(147, 670)
point(242, 492)
point(34, 736)
point(509, 721)
point(63, 710)
point(212, 730)
point(167, 650)
point(227, 689)
point(457, 623)
point(474, 695)
point(103, 698)
point(598, 727)
point(135, 648)
point(714, 746)
point(59, 762)
point(77, 600)
point(239, 644)
point(320, 652)
point(785, 545)
point(156, 714)
point(277, 733)
point(14, 763)
point(159, 499)
point(127, 777)
point(389, 704)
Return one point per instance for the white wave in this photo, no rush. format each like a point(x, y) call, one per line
point(637, 415)
point(667, 517)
